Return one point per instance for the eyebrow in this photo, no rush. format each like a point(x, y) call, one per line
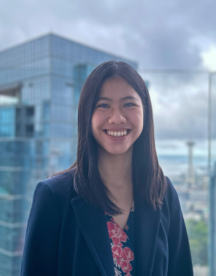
point(122, 99)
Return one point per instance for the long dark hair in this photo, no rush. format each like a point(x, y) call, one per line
point(148, 179)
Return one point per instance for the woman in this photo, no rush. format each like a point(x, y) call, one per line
point(113, 212)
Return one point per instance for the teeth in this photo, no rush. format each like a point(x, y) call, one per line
point(117, 133)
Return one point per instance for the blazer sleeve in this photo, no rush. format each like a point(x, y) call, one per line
point(180, 262)
point(41, 240)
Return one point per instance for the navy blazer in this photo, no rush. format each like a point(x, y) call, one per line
point(65, 236)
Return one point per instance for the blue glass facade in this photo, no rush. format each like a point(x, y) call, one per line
point(40, 83)
point(7, 119)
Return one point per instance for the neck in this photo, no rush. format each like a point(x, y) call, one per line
point(116, 173)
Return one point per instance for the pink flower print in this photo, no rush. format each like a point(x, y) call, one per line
point(116, 251)
point(125, 266)
point(116, 233)
point(115, 240)
point(110, 226)
point(122, 256)
point(127, 254)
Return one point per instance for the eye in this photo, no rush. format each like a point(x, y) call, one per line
point(129, 104)
point(103, 105)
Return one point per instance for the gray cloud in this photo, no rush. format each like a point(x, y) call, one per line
point(158, 34)
point(181, 109)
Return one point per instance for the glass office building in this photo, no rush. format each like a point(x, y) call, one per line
point(40, 83)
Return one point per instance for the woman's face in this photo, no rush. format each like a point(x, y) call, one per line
point(117, 120)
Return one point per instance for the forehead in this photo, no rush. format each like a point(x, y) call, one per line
point(117, 87)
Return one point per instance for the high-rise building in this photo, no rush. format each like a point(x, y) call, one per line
point(190, 176)
point(40, 83)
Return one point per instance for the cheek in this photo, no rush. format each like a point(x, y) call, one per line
point(141, 118)
point(95, 122)
point(138, 119)
point(139, 123)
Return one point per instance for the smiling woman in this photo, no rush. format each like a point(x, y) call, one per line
point(113, 212)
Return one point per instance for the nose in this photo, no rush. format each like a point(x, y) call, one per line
point(116, 117)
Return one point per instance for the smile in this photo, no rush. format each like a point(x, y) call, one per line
point(117, 133)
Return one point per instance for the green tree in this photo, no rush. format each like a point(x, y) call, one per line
point(198, 238)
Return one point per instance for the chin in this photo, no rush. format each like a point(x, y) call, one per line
point(117, 151)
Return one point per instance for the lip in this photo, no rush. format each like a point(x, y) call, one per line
point(117, 138)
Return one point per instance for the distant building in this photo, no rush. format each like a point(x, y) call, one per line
point(190, 177)
point(40, 83)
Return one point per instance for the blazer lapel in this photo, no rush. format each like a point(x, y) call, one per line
point(92, 223)
point(147, 223)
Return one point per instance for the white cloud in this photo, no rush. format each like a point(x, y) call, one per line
point(209, 58)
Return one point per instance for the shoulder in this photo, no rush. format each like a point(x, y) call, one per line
point(60, 185)
point(171, 205)
point(171, 195)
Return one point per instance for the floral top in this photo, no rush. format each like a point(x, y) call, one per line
point(122, 245)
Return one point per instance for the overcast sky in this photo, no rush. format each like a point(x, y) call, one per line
point(157, 34)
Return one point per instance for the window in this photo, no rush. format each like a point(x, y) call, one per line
point(30, 130)
point(30, 111)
